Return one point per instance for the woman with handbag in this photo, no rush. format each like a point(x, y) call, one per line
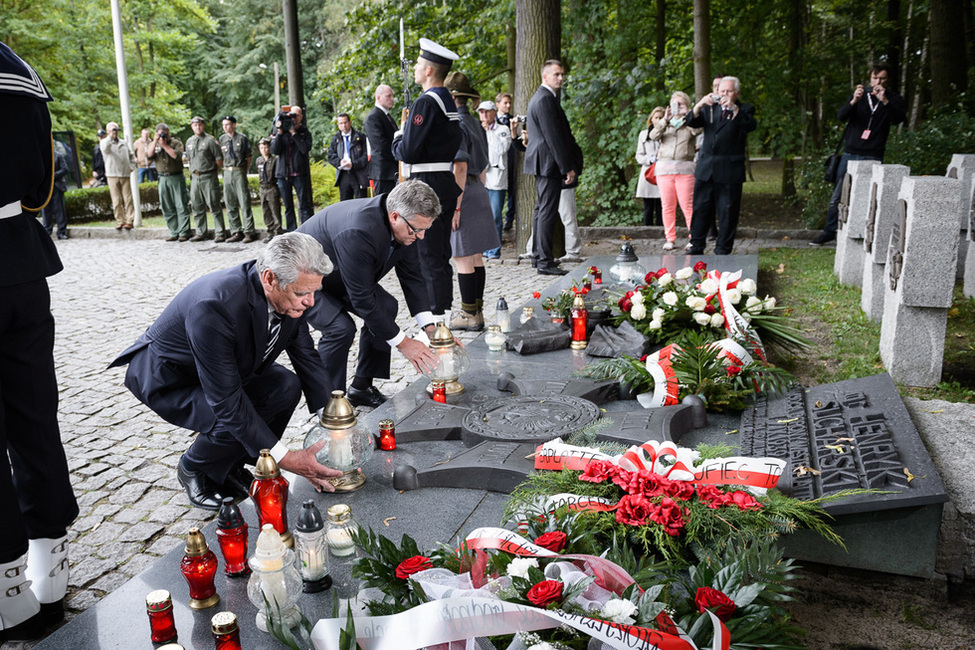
point(646, 156)
point(675, 164)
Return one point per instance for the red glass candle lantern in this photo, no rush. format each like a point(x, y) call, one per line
point(587, 284)
point(162, 625)
point(226, 633)
point(270, 494)
point(439, 391)
point(199, 567)
point(597, 275)
point(387, 435)
point(580, 321)
point(232, 536)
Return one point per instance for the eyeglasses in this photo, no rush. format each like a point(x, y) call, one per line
point(416, 231)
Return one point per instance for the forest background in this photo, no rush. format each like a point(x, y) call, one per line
point(798, 61)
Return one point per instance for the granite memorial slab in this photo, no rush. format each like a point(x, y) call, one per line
point(431, 420)
point(527, 418)
point(597, 392)
point(854, 207)
point(920, 279)
point(491, 465)
point(854, 435)
point(884, 192)
point(962, 167)
point(663, 423)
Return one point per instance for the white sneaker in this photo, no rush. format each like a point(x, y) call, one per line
point(570, 259)
point(688, 246)
point(669, 246)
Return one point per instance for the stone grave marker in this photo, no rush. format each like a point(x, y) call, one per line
point(853, 210)
point(884, 190)
point(920, 274)
point(597, 392)
point(962, 167)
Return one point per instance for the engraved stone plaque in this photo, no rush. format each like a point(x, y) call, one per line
point(597, 392)
point(495, 466)
point(526, 418)
point(664, 423)
point(431, 420)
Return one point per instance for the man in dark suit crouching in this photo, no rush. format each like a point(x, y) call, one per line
point(207, 364)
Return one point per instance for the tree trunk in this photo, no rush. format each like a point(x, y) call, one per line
point(702, 47)
point(894, 40)
point(538, 24)
point(660, 51)
point(292, 54)
point(510, 43)
point(949, 67)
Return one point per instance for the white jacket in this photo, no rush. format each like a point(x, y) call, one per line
point(499, 140)
point(119, 159)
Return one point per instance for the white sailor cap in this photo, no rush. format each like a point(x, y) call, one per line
point(436, 53)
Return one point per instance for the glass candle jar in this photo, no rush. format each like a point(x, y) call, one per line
point(199, 568)
point(226, 633)
point(275, 583)
point(269, 491)
point(312, 549)
point(387, 435)
point(502, 315)
point(162, 625)
point(527, 313)
point(232, 537)
point(495, 338)
point(339, 529)
point(439, 389)
point(580, 322)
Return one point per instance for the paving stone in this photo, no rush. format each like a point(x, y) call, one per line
point(110, 582)
point(89, 570)
point(129, 493)
point(85, 524)
point(118, 482)
point(86, 498)
point(103, 533)
point(104, 510)
point(140, 532)
point(166, 514)
point(118, 552)
point(164, 545)
point(130, 515)
point(82, 600)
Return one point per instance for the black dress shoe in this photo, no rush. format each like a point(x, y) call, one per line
point(238, 483)
point(370, 397)
point(202, 491)
point(694, 251)
point(551, 270)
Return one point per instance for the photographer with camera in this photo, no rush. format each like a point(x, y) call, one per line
point(167, 151)
point(869, 114)
point(291, 143)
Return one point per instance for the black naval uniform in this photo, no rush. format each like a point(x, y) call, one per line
point(429, 144)
point(36, 500)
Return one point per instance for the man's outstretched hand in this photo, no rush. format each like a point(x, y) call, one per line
point(304, 463)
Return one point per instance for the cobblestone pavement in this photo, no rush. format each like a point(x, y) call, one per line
point(122, 457)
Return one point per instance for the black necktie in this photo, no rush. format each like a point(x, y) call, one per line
point(391, 120)
point(273, 332)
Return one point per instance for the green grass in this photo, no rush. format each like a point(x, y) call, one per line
point(768, 178)
point(846, 342)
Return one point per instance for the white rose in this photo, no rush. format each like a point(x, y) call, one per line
point(717, 320)
point(655, 324)
point(769, 302)
point(734, 296)
point(748, 287)
point(542, 646)
point(519, 566)
point(708, 287)
point(658, 314)
point(684, 273)
point(670, 299)
point(697, 303)
point(665, 279)
point(753, 304)
point(701, 318)
point(618, 610)
point(636, 297)
point(638, 312)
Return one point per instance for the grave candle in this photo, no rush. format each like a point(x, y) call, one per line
point(580, 321)
point(312, 549)
point(439, 391)
point(199, 567)
point(270, 494)
point(339, 449)
point(232, 536)
point(162, 625)
point(339, 530)
point(226, 633)
point(387, 435)
point(502, 315)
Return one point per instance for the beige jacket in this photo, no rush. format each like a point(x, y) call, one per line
point(676, 146)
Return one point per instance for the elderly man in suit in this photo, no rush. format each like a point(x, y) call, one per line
point(347, 153)
point(366, 238)
point(37, 503)
point(553, 158)
point(380, 128)
point(720, 170)
point(207, 364)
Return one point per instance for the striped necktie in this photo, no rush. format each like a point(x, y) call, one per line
point(273, 332)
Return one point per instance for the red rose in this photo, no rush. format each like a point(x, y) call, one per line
point(669, 515)
point(733, 370)
point(626, 305)
point(744, 501)
point(709, 309)
point(536, 294)
point(545, 592)
point(661, 271)
point(633, 510)
point(650, 277)
point(700, 267)
point(682, 490)
point(598, 471)
point(628, 294)
point(710, 496)
point(553, 541)
point(708, 598)
point(412, 565)
point(643, 482)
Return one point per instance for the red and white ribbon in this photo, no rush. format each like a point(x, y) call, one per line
point(666, 388)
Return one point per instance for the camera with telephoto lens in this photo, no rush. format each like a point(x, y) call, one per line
point(284, 121)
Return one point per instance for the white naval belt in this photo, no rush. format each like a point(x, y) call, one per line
point(11, 210)
point(417, 168)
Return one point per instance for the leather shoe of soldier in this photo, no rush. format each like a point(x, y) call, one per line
point(202, 491)
point(251, 237)
point(173, 238)
point(239, 236)
point(370, 397)
point(238, 483)
point(465, 321)
point(551, 270)
point(197, 238)
point(221, 238)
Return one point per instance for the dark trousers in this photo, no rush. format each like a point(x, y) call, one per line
point(652, 212)
point(381, 186)
point(302, 188)
point(722, 200)
point(55, 213)
point(349, 188)
point(274, 394)
point(544, 218)
point(338, 331)
point(434, 248)
point(36, 499)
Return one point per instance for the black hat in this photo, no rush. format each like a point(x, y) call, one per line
point(230, 118)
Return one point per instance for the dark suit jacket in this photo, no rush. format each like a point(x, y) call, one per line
point(212, 336)
point(552, 151)
point(722, 155)
point(379, 130)
point(355, 235)
point(357, 152)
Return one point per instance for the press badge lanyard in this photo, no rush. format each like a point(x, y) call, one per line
point(873, 109)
